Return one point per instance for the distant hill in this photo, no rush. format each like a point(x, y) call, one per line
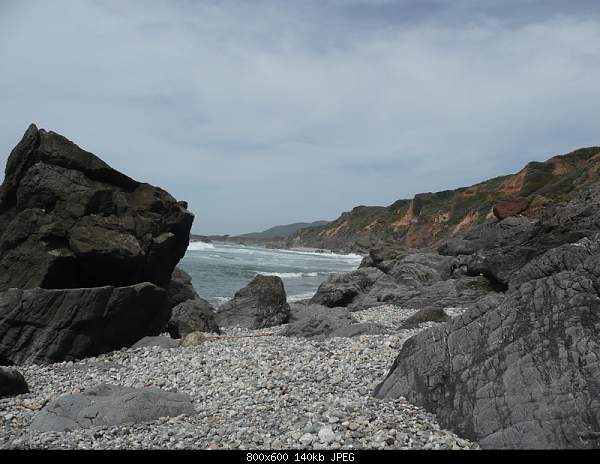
point(282, 231)
point(429, 218)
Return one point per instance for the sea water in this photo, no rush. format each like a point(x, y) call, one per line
point(218, 270)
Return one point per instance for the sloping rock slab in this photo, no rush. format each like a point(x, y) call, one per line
point(262, 303)
point(523, 374)
point(107, 405)
point(192, 316)
point(12, 382)
point(43, 326)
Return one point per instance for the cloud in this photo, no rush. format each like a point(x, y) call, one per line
point(266, 112)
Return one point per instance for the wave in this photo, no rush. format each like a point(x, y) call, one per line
point(200, 246)
point(328, 254)
point(291, 275)
point(300, 296)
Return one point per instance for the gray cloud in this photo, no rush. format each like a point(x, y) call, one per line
point(267, 112)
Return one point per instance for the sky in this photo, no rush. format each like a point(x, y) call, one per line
point(271, 112)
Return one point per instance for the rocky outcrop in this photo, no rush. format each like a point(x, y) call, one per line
point(262, 303)
point(107, 405)
point(12, 382)
point(192, 316)
point(519, 371)
point(41, 325)
point(412, 280)
point(69, 220)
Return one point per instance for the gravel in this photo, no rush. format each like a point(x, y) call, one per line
point(252, 390)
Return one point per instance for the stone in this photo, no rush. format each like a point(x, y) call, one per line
point(519, 371)
point(12, 382)
point(326, 435)
point(161, 342)
point(262, 303)
point(196, 315)
point(193, 339)
point(69, 220)
point(109, 405)
point(40, 326)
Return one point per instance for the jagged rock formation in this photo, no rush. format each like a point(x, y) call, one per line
point(69, 220)
point(429, 218)
point(411, 280)
point(262, 303)
point(107, 405)
point(519, 369)
point(85, 253)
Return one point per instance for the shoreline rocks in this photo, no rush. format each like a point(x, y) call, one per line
point(261, 304)
point(12, 382)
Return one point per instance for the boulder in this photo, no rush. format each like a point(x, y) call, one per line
point(192, 316)
point(12, 382)
point(262, 303)
point(193, 339)
point(109, 405)
point(41, 325)
point(360, 289)
point(519, 371)
point(180, 288)
point(68, 220)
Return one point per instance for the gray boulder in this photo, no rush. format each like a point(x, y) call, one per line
point(516, 372)
point(42, 326)
point(12, 382)
point(425, 315)
point(262, 303)
point(192, 316)
point(68, 220)
point(107, 405)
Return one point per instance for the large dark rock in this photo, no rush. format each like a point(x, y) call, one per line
point(180, 288)
point(41, 325)
point(12, 382)
point(192, 316)
point(107, 405)
point(360, 289)
point(68, 220)
point(518, 372)
point(262, 303)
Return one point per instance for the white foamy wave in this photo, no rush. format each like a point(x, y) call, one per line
point(222, 299)
point(328, 254)
point(289, 275)
point(200, 246)
point(300, 296)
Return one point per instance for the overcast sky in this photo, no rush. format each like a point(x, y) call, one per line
point(270, 112)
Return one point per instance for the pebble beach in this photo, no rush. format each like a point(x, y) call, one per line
point(251, 390)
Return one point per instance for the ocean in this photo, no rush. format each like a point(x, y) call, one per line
point(218, 270)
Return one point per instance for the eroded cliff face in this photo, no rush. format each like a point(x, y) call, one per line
point(429, 218)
